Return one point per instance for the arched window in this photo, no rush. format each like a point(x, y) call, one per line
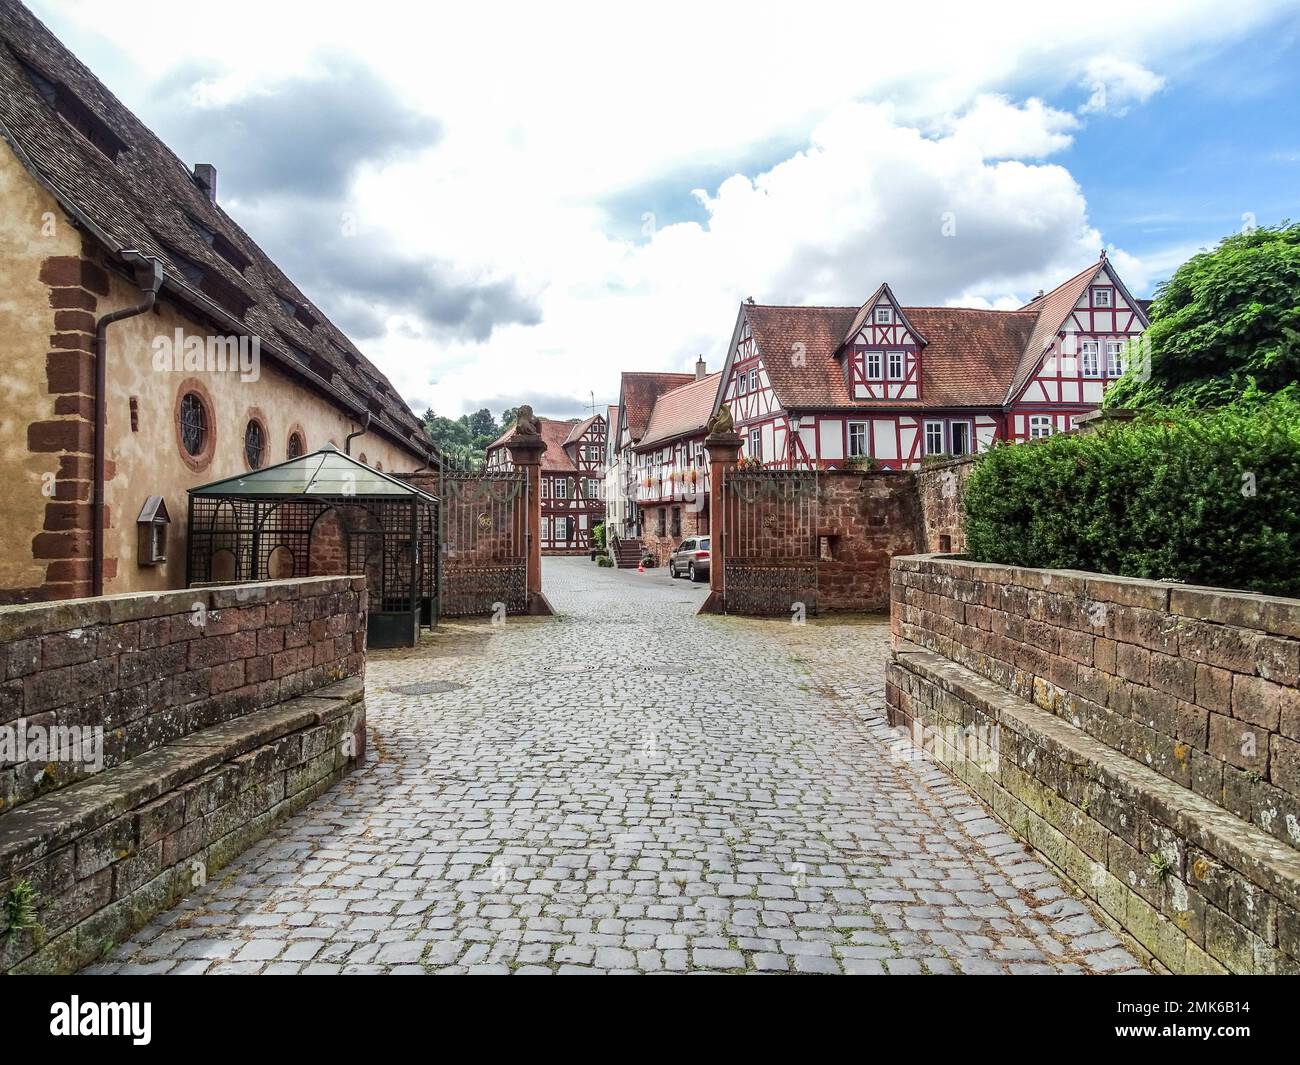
point(296, 445)
point(254, 444)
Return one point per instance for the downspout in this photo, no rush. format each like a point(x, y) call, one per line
point(347, 440)
point(149, 277)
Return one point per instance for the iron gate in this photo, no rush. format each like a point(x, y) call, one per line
point(485, 543)
point(770, 543)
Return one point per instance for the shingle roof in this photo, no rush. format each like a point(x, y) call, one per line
point(146, 199)
point(970, 356)
point(682, 411)
point(639, 392)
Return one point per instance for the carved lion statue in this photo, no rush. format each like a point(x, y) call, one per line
point(721, 424)
point(526, 423)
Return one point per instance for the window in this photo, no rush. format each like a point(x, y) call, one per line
point(742, 385)
point(75, 113)
point(255, 444)
point(858, 446)
point(895, 365)
point(934, 438)
point(1115, 358)
point(663, 522)
point(296, 446)
point(753, 380)
point(561, 488)
point(884, 315)
point(1090, 359)
point(1101, 297)
point(194, 424)
point(960, 434)
point(593, 488)
point(699, 454)
point(677, 522)
point(873, 366)
point(756, 444)
point(1040, 425)
point(546, 488)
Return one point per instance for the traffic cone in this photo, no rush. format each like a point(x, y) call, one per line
point(640, 567)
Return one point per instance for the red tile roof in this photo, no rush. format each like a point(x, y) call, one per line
point(554, 434)
point(639, 392)
point(682, 411)
point(1051, 310)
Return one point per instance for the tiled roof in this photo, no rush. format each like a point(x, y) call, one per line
point(554, 434)
point(970, 356)
point(128, 188)
point(639, 392)
point(682, 411)
point(1051, 310)
point(575, 434)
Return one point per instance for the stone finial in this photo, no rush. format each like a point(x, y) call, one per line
point(526, 423)
point(721, 424)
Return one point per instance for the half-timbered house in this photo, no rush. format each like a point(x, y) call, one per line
point(572, 481)
point(889, 385)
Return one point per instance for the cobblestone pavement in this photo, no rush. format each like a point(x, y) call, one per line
point(627, 788)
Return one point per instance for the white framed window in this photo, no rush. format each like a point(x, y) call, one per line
point(895, 365)
point(1090, 358)
point(593, 488)
point(561, 488)
point(858, 444)
point(873, 366)
point(934, 438)
point(1114, 358)
point(742, 384)
point(699, 454)
point(546, 488)
point(753, 380)
point(1040, 425)
point(960, 435)
point(1101, 297)
point(756, 443)
point(884, 315)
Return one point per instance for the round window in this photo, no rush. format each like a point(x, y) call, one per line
point(194, 424)
point(254, 444)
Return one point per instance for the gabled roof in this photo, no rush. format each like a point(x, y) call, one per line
point(575, 434)
point(967, 362)
point(555, 434)
point(682, 411)
point(860, 319)
point(1051, 309)
point(638, 394)
point(325, 472)
point(145, 199)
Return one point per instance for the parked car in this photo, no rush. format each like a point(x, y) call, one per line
point(691, 557)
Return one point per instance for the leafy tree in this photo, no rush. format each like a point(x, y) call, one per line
point(481, 423)
point(1224, 328)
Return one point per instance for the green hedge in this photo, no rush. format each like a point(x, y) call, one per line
point(1211, 499)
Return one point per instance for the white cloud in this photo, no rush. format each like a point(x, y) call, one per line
point(548, 115)
point(1116, 85)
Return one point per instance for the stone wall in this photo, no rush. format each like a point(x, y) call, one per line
point(695, 522)
point(149, 668)
point(1149, 737)
point(221, 711)
point(864, 520)
point(939, 491)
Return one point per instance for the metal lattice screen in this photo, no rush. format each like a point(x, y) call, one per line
point(485, 542)
point(770, 542)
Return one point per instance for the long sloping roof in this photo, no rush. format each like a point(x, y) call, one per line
point(1051, 310)
point(970, 356)
point(146, 199)
point(682, 411)
point(555, 434)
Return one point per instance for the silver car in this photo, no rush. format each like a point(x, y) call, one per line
point(691, 557)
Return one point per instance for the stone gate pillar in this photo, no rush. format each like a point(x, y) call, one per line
point(526, 455)
point(724, 450)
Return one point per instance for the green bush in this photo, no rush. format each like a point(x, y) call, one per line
point(1211, 499)
point(598, 537)
point(604, 560)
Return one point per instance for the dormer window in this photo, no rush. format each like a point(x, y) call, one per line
point(1101, 297)
point(75, 113)
point(211, 284)
point(884, 315)
point(296, 310)
point(220, 245)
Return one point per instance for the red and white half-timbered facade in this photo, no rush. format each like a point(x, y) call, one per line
point(572, 481)
point(889, 385)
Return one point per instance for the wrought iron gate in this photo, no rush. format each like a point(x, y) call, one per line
point(485, 543)
point(770, 543)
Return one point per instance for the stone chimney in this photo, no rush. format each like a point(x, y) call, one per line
point(205, 177)
point(701, 371)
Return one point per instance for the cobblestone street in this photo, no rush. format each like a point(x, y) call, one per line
point(627, 788)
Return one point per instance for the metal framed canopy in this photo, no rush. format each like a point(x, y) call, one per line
point(324, 513)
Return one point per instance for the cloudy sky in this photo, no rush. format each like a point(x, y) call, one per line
point(507, 204)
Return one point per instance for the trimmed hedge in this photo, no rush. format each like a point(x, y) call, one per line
point(1211, 499)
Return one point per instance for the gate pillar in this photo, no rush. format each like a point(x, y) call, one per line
point(724, 450)
point(526, 454)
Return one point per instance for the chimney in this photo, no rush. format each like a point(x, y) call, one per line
point(701, 371)
point(205, 177)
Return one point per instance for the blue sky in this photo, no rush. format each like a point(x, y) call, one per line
point(500, 205)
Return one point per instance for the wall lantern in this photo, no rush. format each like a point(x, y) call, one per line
point(152, 526)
